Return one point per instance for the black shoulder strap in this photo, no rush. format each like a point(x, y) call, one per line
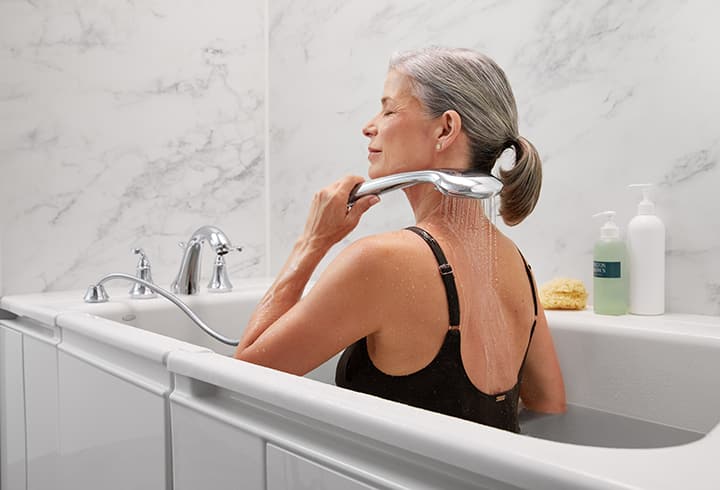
point(446, 273)
point(528, 269)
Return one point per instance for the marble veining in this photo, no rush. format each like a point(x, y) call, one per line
point(691, 164)
point(131, 124)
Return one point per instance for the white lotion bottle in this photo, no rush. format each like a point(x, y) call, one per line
point(646, 248)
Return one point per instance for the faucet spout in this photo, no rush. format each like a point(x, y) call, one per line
point(188, 276)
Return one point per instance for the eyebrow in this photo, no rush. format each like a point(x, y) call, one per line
point(385, 99)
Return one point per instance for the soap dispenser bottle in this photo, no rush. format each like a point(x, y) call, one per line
point(646, 249)
point(610, 271)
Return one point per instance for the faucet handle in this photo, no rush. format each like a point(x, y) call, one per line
point(225, 249)
point(219, 280)
point(143, 271)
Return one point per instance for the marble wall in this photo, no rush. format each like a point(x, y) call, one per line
point(126, 124)
point(131, 124)
point(611, 93)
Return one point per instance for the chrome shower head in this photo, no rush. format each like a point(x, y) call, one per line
point(471, 184)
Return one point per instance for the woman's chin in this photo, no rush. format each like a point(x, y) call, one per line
point(374, 172)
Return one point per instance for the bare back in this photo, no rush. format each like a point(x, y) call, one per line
point(496, 313)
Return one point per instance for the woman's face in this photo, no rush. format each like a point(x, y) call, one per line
point(401, 135)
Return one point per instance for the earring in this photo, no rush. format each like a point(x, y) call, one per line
point(438, 146)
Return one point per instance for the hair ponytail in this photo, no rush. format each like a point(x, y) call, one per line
point(521, 183)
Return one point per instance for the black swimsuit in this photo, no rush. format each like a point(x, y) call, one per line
point(443, 385)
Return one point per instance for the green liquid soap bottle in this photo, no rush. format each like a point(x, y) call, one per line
point(610, 270)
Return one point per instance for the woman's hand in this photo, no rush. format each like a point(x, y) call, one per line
point(330, 220)
point(328, 223)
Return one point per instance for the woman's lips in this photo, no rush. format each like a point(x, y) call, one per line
point(373, 153)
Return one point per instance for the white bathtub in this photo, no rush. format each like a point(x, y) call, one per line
point(130, 394)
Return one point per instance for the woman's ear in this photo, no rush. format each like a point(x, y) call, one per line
point(449, 127)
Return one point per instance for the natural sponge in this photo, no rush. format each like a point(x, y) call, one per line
point(563, 294)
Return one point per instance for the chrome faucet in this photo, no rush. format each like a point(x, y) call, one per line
point(188, 276)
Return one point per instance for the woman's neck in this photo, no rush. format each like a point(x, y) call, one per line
point(439, 212)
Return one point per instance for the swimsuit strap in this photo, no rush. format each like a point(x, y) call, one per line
point(528, 270)
point(446, 273)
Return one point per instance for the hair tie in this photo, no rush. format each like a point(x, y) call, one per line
point(498, 165)
point(505, 146)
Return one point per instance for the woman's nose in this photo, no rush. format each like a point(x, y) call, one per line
point(370, 130)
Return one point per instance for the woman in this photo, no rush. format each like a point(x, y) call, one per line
point(444, 316)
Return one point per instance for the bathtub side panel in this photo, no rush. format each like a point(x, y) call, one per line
point(210, 453)
point(112, 431)
point(41, 412)
point(287, 470)
point(12, 411)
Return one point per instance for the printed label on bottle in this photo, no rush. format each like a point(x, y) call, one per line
point(606, 269)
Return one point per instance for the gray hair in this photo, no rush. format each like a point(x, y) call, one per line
point(474, 86)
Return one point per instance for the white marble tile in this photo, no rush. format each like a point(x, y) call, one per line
point(126, 125)
point(132, 124)
point(611, 93)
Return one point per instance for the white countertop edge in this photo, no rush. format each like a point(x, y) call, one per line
point(43, 306)
point(39, 305)
point(24, 306)
point(139, 342)
point(680, 324)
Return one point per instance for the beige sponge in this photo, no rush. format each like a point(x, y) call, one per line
point(563, 294)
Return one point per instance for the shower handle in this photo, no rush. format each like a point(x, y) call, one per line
point(470, 184)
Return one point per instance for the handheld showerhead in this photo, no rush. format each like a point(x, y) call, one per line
point(471, 184)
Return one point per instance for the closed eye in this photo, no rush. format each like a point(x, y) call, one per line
point(386, 101)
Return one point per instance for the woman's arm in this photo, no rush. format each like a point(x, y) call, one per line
point(287, 333)
point(542, 388)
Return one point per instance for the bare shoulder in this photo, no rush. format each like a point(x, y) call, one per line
point(389, 273)
point(377, 253)
point(372, 266)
